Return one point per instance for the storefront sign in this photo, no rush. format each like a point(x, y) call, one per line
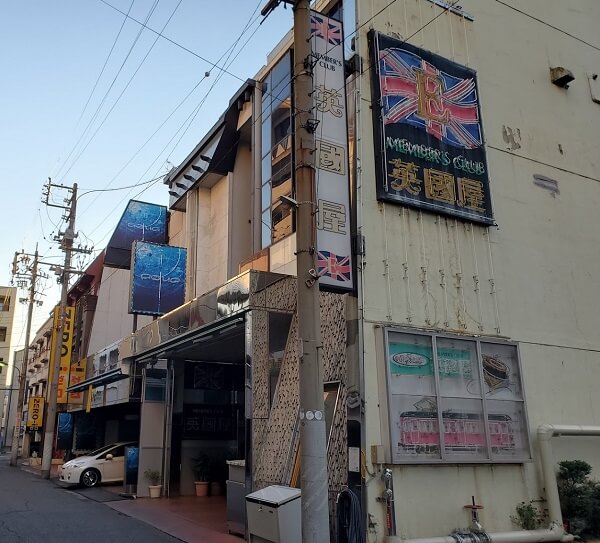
point(157, 278)
point(429, 139)
point(64, 433)
point(76, 376)
point(334, 259)
point(65, 356)
point(35, 413)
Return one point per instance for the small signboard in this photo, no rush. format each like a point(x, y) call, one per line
point(35, 413)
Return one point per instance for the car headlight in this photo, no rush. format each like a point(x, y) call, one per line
point(75, 465)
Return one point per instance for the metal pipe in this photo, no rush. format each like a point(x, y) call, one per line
point(522, 536)
point(545, 433)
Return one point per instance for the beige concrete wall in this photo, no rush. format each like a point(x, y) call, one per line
point(112, 321)
point(533, 279)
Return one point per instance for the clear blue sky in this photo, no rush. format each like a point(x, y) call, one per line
point(52, 55)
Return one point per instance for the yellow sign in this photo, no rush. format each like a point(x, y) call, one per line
point(65, 356)
point(35, 413)
point(76, 376)
point(88, 405)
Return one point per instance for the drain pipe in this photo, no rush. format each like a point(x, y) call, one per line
point(545, 433)
point(521, 536)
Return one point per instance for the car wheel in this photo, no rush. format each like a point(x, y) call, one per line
point(90, 478)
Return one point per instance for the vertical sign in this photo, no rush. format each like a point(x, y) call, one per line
point(65, 355)
point(430, 149)
point(334, 259)
point(76, 376)
point(35, 413)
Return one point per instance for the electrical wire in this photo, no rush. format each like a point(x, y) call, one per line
point(123, 90)
point(549, 25)
point(105, 63)
point(95, 115)
point(349, 528)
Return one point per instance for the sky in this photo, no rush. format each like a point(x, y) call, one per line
point(88, 95)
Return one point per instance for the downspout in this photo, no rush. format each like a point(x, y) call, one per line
point(545, 433)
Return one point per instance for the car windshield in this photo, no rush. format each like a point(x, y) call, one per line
point(101, 449)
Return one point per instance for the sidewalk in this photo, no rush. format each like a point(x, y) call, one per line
point(188, 518)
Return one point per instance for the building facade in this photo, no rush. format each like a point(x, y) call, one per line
point(8, 301)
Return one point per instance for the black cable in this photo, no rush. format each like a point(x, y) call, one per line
point(349, 528)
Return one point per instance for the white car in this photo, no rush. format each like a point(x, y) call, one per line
point(103, 465)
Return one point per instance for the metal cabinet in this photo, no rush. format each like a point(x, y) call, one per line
point(274, 515)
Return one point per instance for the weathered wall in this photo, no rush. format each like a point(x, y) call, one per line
point(533, 278)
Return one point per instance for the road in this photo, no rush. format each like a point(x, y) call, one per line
point(34, 510)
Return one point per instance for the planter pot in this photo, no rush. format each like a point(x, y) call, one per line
point(154, 491)
point(201, 488)
point(216, 489)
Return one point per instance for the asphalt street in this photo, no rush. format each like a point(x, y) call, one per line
point(34, 510)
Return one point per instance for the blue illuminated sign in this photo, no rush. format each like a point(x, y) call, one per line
point(157, 278)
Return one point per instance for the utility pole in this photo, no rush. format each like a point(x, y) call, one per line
point(66, 239)
point(313, 444)
point(21, 261)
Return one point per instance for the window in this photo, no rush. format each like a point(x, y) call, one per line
point(2, 333)
point(454, 399)
point(277, 216)
point(5, 303)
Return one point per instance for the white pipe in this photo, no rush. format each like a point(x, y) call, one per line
point(545, 433)
point(522, 536)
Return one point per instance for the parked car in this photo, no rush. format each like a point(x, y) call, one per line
point(102, 465)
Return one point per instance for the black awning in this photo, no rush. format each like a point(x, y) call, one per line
point(107, 378)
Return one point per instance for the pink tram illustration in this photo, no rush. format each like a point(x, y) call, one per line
point(463, 432)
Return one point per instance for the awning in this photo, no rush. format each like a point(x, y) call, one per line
point(107, 378)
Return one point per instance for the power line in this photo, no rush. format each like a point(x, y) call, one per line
point(123, 90)
point(549, 25)
point(106, 62)
point(95, 115)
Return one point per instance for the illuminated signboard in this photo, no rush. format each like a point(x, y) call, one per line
point(141, 221)
point(430, 152)
point(67, 347)
point(157, 278)
point(35, 413)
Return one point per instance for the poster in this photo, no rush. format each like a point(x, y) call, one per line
point(430, 150)
point(64, 433)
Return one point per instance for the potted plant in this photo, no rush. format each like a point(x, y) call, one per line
point(200, 468)
point(153, 476)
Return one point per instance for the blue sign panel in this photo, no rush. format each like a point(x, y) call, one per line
point(132, 460)
point(64, 434)
point(141, 221)
point(157, 278)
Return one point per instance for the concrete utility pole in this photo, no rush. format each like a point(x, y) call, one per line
point(66, 239)
point(21, 258)
point(313, 444)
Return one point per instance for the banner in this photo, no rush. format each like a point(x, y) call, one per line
point(65, 355)
point(35, 413)
point(64, 433)
point(334, 242)
point(430, 151)
point(77, 375)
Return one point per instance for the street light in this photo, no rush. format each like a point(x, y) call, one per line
point(7, 418)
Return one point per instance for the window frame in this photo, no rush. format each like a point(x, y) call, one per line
point(3, 330)
point(444, 458)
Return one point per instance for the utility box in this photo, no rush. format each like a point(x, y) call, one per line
point(274, 515)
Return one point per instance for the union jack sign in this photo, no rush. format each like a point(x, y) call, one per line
point(430, 151)
point(415, 92)
point(327, 29)
point(334, 266)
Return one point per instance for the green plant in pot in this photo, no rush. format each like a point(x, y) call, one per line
point(200, 467)
point(153, 476)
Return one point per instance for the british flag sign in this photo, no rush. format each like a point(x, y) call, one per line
point(326, 29)
point(430, 150)
point(452, 116)
point(334, 266)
